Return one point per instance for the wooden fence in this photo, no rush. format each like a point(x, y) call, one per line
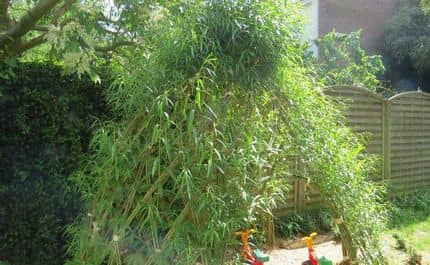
point(398, 130)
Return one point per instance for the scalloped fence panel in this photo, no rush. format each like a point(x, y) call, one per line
point(409, 141)
point(397, 130)
point(365, 115)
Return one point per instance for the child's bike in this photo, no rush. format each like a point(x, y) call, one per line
point(313, 260)
point(250, 255)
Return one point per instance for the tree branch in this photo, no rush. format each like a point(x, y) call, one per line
point(41, 28)
point(30, 44)
point(27, 21)
point(113, 46)
point(101, 17)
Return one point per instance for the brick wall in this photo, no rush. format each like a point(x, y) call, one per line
point(351, 15)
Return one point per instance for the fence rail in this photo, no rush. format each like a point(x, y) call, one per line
point(399, 132)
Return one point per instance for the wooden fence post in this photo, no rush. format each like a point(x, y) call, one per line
point(386, 138)
point(300, 189)
point(270, 230)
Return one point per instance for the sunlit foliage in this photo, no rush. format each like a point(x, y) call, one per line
point(342, 61)
point(213, 111)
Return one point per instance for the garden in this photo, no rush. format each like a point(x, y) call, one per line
point(193, 132)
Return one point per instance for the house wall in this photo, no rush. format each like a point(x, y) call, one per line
point(310, 32)
point(351, 15)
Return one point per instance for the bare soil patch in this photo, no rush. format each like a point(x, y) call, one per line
point(294, 251)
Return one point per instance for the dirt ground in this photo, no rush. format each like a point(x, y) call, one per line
point(294, 252)
point(330, 250)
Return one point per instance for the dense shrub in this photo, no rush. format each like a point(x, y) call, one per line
point(305, 223)
point(187, 125)
point(46, 121)
point(206, 139)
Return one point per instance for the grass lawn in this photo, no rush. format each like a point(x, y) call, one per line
point(410, 230)
point(417, 235)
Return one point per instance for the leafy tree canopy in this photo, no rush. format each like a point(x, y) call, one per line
point(407, 36)
point(425, 6)
point(70, 30)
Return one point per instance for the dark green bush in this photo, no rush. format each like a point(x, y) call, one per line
point(407, 35)
point(313, 220)
point(46, 121)
point(410, 208)
point(407, 39)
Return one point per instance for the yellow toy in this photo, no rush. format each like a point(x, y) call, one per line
point(310, 240)
point(313, 260)
point(244, 236)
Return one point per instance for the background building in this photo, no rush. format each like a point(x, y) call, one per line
point(350, 15)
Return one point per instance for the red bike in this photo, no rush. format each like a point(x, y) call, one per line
point(250, 255)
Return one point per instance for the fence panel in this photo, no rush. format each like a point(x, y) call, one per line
point(293, 201)
point(398, 131)
point(410, 141)
point(364, 113)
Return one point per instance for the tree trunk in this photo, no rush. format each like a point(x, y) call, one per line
point(4, 16)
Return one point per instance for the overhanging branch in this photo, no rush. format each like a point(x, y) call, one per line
point(101, 17)
point(30, 44)
point(27, 22)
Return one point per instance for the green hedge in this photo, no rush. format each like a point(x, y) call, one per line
point(45, 127)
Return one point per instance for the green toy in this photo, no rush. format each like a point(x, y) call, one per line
point(313, 260)
point(261, 256)
point(324, 261)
